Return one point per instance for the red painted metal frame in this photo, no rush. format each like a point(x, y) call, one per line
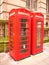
point(35, 17)
point(15, 48)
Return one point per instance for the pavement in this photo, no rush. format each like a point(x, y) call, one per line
point(39, 59)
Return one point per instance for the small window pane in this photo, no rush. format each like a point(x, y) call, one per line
point(23, 20)
point(28, 4)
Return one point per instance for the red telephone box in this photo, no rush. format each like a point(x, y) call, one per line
point(37, 25)
point(19, 33)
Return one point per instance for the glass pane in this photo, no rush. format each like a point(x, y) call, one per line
point(23, 51)
point(23, 20)
point(24, 42)
point(35, 4)
point(24, 46)
point(28, 4)
point(23, 25)
point(39, 33)
point(24, 38)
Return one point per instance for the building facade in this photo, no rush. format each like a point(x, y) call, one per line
point(33, 5)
